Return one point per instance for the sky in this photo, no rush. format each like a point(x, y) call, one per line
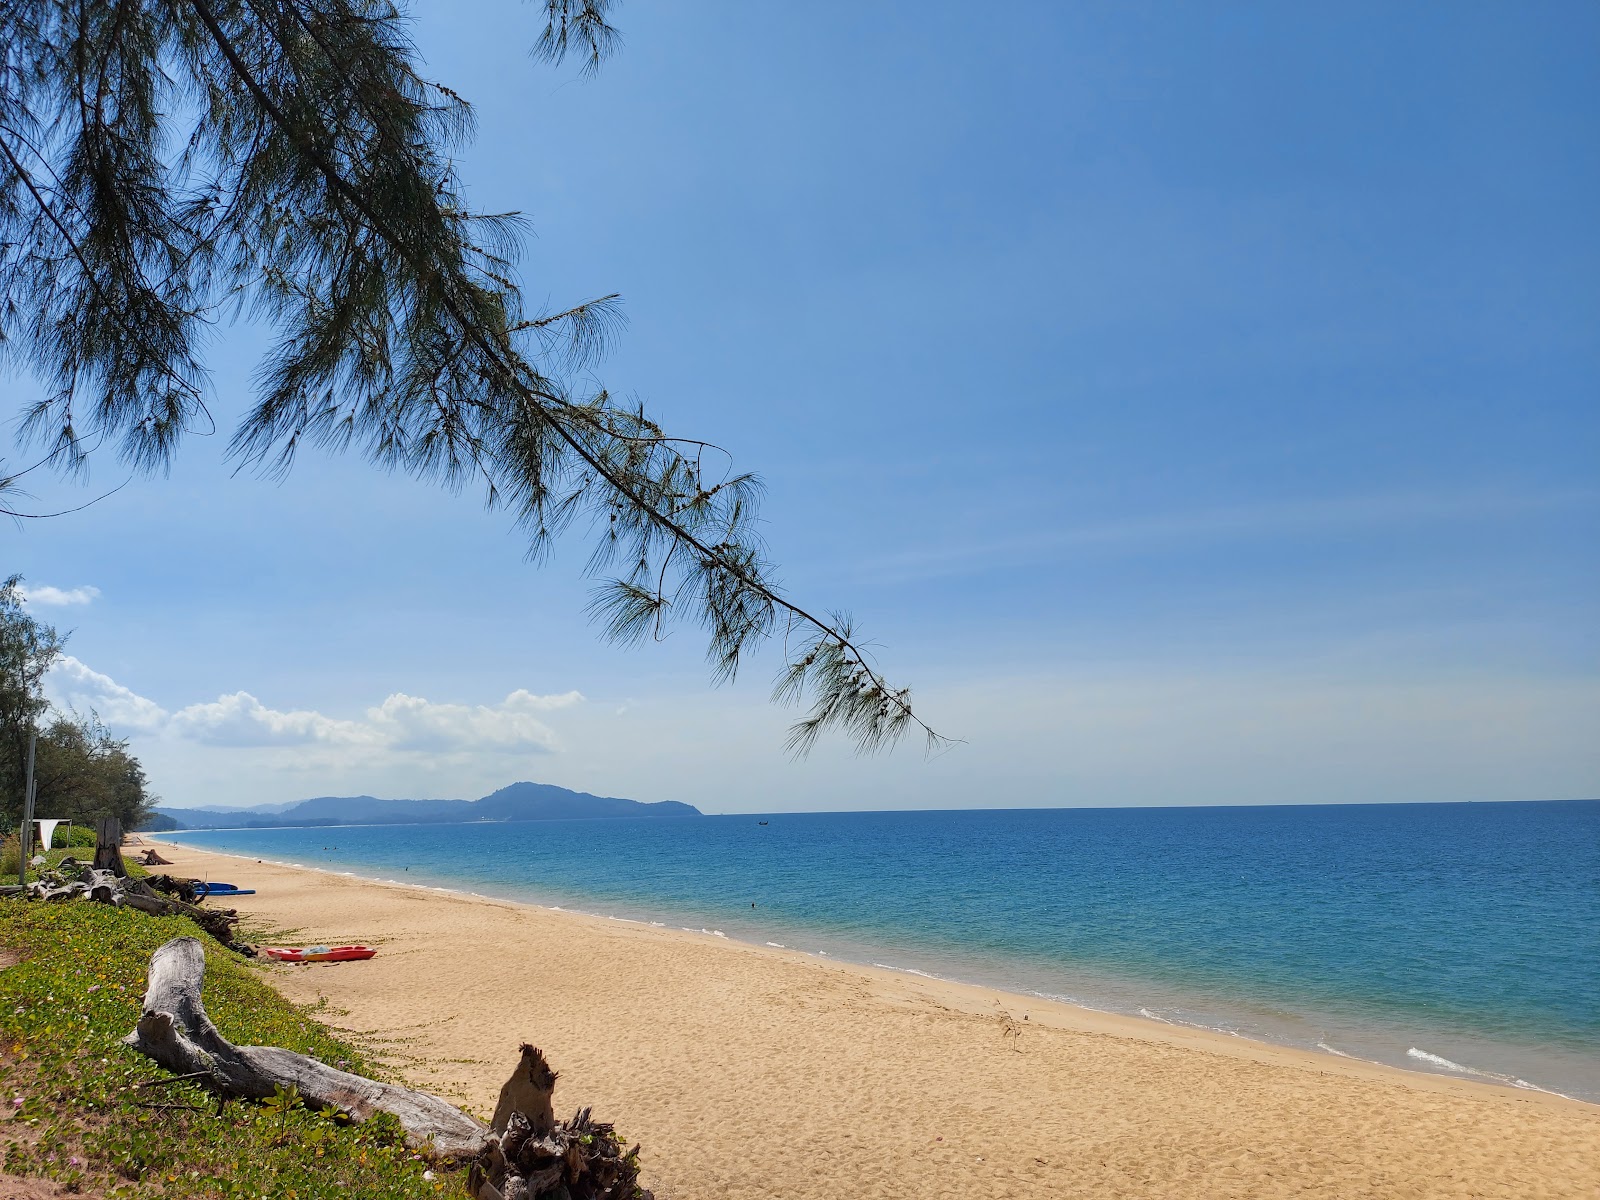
point(1195, 404)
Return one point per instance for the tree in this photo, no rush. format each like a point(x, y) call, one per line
point(84, 772)
point(164, 162)
point(27, 649)
point(81, 770)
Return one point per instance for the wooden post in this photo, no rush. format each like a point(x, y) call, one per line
point(25, 842)
point(108, 845)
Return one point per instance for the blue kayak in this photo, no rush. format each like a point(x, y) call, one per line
point(222, 889)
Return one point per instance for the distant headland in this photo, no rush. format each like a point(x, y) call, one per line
point(517, 802)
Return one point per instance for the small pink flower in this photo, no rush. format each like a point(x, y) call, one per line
point(16, 1102)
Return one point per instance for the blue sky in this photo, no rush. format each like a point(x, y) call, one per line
point(1198, 404)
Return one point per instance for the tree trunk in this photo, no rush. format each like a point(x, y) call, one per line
point(529, 1155)
point(108, 845)
point(175, 1031)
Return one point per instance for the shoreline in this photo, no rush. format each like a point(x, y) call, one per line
point(751, 1071)
point(1144, 1023)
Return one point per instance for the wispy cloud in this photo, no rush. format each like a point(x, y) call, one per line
point(1296, 518)
point(399, 724)
point(54, 597)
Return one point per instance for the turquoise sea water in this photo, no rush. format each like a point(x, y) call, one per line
point(1457, 938)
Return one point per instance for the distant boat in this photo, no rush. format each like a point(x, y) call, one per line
point(761, 822)
point(319, 953)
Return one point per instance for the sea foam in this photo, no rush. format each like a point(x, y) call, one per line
point(1438, 1060)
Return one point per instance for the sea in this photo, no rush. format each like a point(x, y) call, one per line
point(1458, 939)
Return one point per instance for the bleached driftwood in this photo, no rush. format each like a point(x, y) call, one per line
point(175, 1031)
point(70, 879)
point(64, 882)
point(525, 1154)
point(110, 884)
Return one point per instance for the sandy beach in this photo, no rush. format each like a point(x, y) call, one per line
point(755, 1072)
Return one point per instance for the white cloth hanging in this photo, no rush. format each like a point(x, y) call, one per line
point(47, 830)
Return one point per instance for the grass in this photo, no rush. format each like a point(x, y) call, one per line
point(70, 1110)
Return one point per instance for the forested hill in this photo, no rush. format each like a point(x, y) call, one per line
point(518, 802)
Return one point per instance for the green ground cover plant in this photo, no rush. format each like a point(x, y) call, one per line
point(73, 1110)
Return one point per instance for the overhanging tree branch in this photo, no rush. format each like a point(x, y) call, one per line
point(401, 325)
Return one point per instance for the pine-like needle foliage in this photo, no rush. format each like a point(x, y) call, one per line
point(167, 162)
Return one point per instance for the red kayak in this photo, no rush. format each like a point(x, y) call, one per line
point(318, 953)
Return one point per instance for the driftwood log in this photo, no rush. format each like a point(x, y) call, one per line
point(524, 1154)
point(70, 879)
point(175, 1031)
point(218, 923)
point(107, 882)
point(170, 885)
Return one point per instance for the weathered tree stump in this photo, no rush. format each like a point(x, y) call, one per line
point(108, 845)
point(529, 1155)
point(529, 1091)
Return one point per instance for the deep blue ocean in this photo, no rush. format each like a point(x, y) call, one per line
point(1457, 938)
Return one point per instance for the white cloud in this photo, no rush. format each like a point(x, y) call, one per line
point(242, 720)
point(71, 684)
point(412, 723)
point(54, 597)
point(400, 724)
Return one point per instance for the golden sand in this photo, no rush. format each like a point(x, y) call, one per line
point(751, 1072)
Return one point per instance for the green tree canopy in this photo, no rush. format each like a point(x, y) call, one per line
point(165, 162)
point(28, 648)
point(81, 770)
